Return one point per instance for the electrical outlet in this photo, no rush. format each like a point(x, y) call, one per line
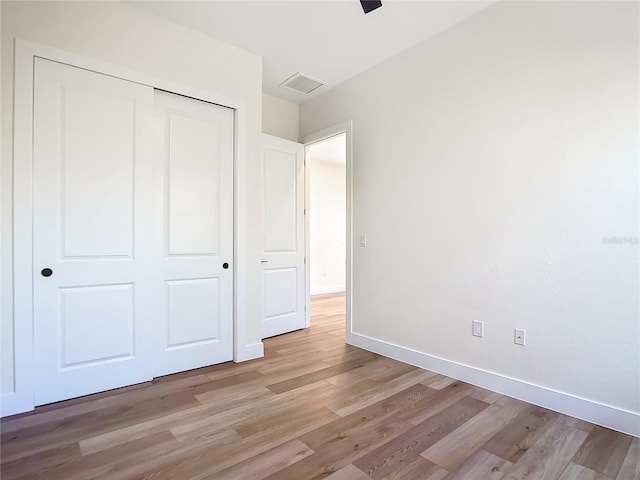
point(363, 240)
point(519, 336)
point(478, 328)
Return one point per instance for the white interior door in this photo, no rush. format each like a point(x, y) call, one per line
point(92, 294)
point(133, 232)
point(283, 254)
point(195, 141)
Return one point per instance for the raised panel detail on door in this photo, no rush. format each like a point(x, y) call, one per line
point(194, 200)
point(107, 309)
point(283, 274)
point(280, 170)
point(279, 293)
point(201, 299)
point(92, 186)
point(97, 173)
point(195, 149)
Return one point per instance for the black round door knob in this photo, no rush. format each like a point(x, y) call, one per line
point(225, 265)
point(46, 272)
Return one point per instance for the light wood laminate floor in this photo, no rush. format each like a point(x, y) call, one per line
point(313, 407)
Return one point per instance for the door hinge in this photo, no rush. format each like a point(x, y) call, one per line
point(305, 260)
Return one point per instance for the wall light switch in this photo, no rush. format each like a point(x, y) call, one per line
point(519, 336)
point(478, 328)
point(363, 240)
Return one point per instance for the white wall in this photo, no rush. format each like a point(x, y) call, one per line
point(126, 36)
point(327, 210)
point(279, 118)
point(490, 161)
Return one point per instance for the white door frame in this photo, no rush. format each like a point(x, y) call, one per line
point(21, 399)
point(345, 127)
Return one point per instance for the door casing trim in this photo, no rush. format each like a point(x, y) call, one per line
point(346, 128)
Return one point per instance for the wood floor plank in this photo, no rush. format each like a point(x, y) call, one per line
point(32, 465)
point(578, 424)
point(246, 377)
point(335, 455)
point(387, 369)
point(515, 438)
point(428, 407)
point(549, 456)
point(233, 391)
point(349, 404)
point(418, 469)
point(454, 449)
point(376, 413)
point(281, 374)
point(481, 465)
point(604, 450)
point(439, 381)
point(347, 378)
point(578, 472)
point(9, 424)
point(272, 418)
point(395, 453)
point(380, 370)
point(198, 461)
point(214, 416)
point(124, 415)
point(630, 469)
point(308, 362)
point(322, 343)
point(266, 463)
point(313, 377)
point(208, 434)
point(209, 412)
point(349, 472)
point(485, 395)
point(54, 416)
point(124, 461)
point(30, 441)
point(333, 408)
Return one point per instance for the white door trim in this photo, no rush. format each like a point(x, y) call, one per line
point(345, 127)
point(21, 399)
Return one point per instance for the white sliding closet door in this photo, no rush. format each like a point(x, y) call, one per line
point(93, 302)
point(132, 233)
point(195, 142)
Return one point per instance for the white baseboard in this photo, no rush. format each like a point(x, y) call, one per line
point(624, 421)
point(325, 290)
point(250, 352)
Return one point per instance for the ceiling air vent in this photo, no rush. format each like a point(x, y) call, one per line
point(302, 83)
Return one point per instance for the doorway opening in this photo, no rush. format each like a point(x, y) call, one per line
point(327, 230)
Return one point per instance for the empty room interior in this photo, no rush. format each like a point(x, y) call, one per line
point(307, 239)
